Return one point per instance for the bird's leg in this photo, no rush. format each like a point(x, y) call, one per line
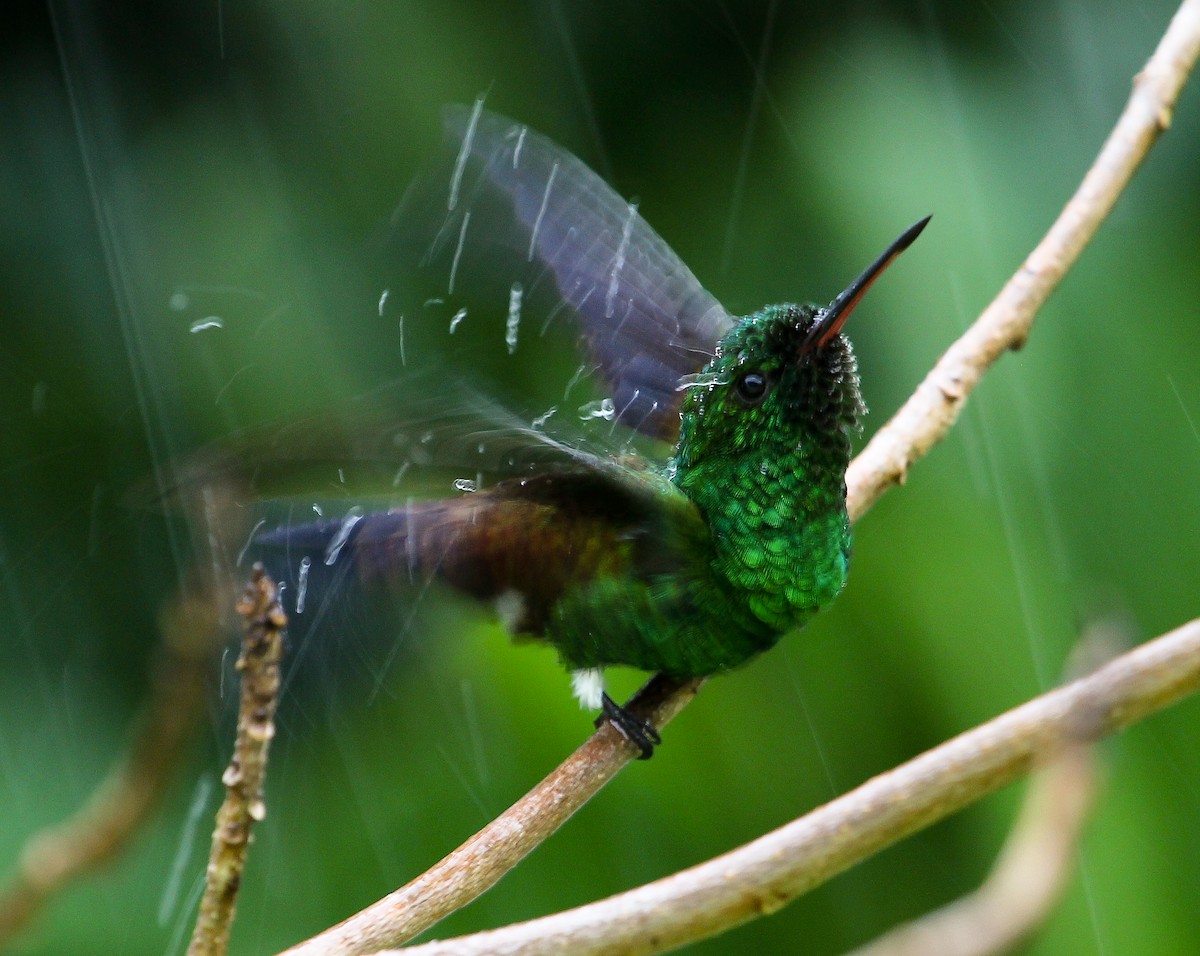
point(630, 726)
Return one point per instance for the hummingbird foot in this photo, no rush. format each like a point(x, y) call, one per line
point(639, 732)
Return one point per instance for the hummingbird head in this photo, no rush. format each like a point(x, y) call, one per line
point(782, 386)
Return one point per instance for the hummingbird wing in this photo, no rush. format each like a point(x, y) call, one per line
point(646, 320)
point(425, 434)
point(520, 545)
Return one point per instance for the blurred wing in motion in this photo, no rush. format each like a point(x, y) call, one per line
point(427, 435)
point(519, 545)
point(646, 321)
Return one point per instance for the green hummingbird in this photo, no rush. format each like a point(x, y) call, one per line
point(690, 565)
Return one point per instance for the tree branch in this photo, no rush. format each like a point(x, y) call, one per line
point(1037, 859)
point(1027, 880)
point(920, 424)
point(1005, 324)
point(478, 864)
point(766, 874)
point(262, 651)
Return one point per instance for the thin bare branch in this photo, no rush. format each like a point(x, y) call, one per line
point(131, 791)
point(912, 432)
point(262, 651)
point(764, 875)
point(1005, 324)
point(1037, 859)
point(479, 863)
point(1029, 876)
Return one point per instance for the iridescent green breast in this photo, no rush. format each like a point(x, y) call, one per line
point(781, 540)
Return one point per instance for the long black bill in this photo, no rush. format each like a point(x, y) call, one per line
point(831, 319)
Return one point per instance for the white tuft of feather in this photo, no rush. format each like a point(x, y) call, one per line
point(588, 687)
point(510, 608)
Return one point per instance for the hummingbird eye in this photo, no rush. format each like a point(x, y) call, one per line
point(751, 387)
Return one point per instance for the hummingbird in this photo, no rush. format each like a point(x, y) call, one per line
point(689, 564)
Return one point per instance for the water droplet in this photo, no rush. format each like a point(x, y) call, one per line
point(460, 163)
point(208, 322)
point(699, 380)
point(462, 238)
point(574, 380)
point(537, 223)
point(353, 517)
point(520, 143)
point(302, 584)
point(456, 319)
point(513, 323)
point(540, 421)
point(610, 298)
point(465, 484)
point(602, 409)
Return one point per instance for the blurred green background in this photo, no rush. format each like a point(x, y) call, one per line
point(166, 163)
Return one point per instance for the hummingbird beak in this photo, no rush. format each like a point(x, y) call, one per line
point(829, 321)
